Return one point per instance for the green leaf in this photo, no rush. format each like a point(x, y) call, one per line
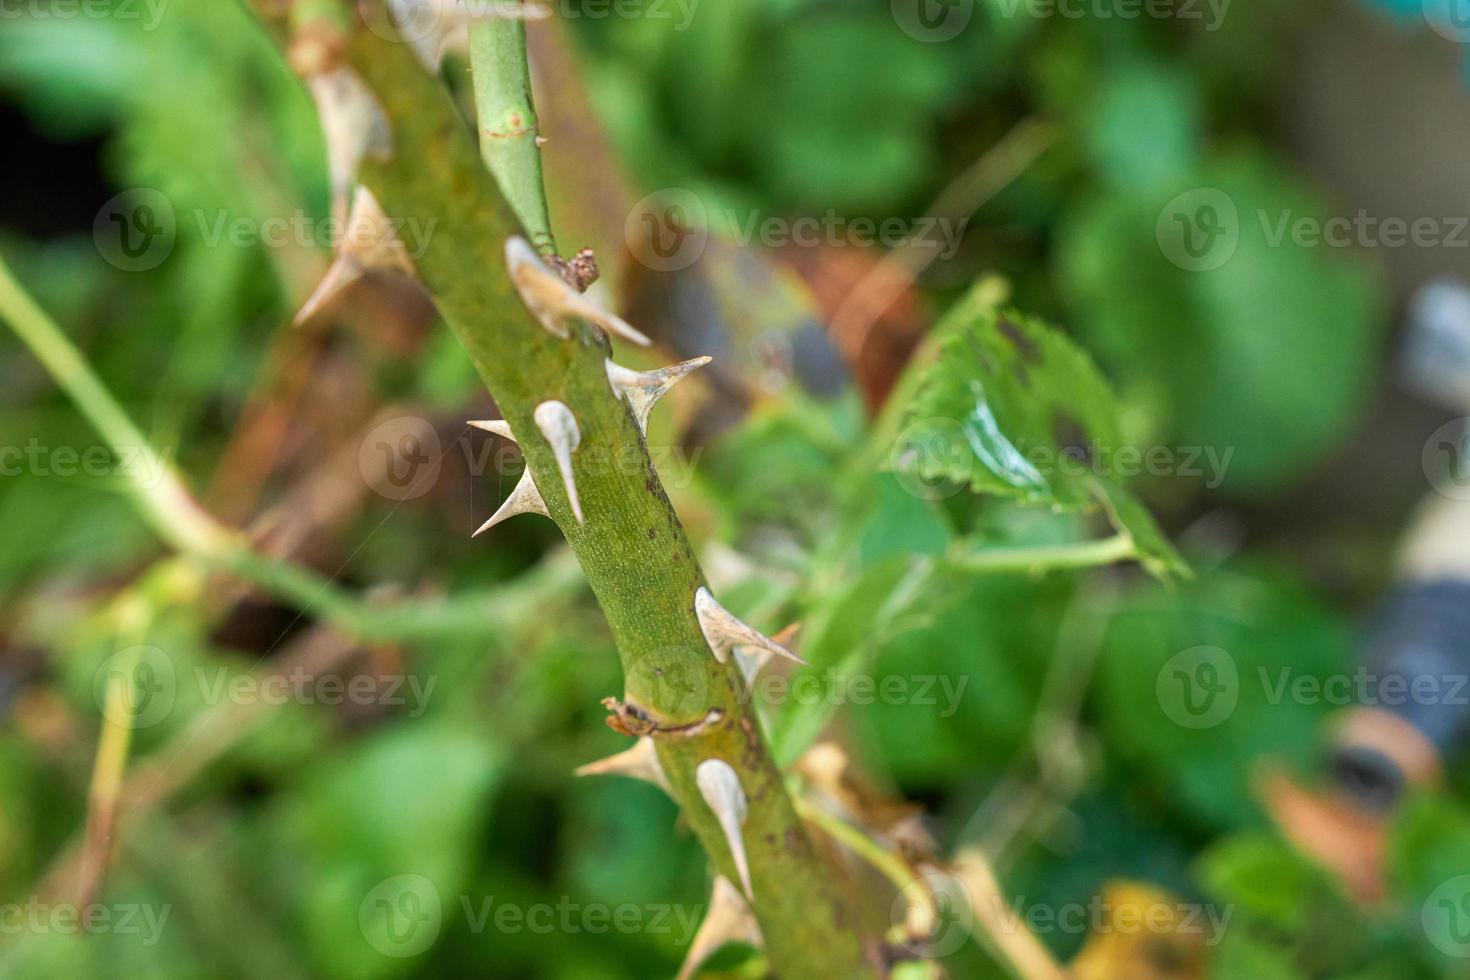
point(1429, 865)
point(1195, 683)
point(1245, 957)
point(398, 814)
point(1267, 880)
point(1013, 408)
point(1142, 126)
point(1266, 353)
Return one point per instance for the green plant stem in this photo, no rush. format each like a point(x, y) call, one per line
point(509, 129)
point(632, 547)
point(1046, 558)
point(886, 862)
point(161, 497)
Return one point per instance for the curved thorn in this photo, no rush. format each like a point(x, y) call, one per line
point(369, 244)
point(499, 427)
point(638, 762)
point(353, 125)
point(729, 920)
point(342, 273)
point(724, 632)
point(552, 301)
point(643, 389)
point(540, 288)
point(559, 426)
point(720, 787)
point(524, 499)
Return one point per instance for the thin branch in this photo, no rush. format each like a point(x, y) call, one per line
point(1042, 558)
point(510, 136)
point(162, 499)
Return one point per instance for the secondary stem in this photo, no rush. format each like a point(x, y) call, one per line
point(509, 130)
point(161, 497)
point(1085, 554)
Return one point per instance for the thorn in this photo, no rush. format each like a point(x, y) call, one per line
point(552, 301)
point(720, 787)
point(369, 244)
point(542, 141)
point(353, 124)
point(524, 499)
point(340, 274)
point(559, 426)
point(638, 762)
point(499, 427)
point(729, 920)
point(643, 389)
point(751, 664)
point(723, 632)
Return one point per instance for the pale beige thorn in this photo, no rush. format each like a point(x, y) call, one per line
point(559, 426)
point(371, 239)
point(638, 762)
point(751, 664)
point(524, 499)
point(342, 273)
point(499, 427)
point(353, 124)
point(369, 244)
point(720, 787)
point(729, 920)
point(724, 632)
point(643, 389)
point(552, 300)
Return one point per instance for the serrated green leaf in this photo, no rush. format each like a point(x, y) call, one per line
point(1013, 408)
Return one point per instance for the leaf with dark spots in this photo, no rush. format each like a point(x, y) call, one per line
point(1013, 408)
